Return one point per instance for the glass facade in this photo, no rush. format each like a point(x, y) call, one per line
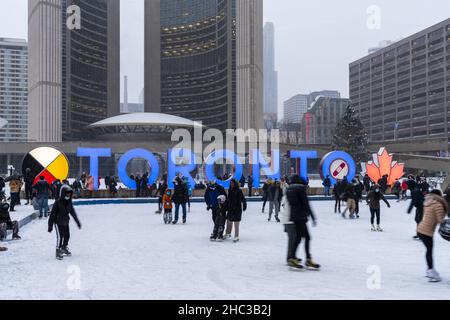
point(198, 60)
point(85, 78)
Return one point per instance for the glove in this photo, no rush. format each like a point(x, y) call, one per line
point(208, 208)
point(315, 223)
point(50, 229)
point(79, 225)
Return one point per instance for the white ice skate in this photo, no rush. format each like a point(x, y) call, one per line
point(373, 228)
point(236, 239)
point(433, 276)
point(379, 229)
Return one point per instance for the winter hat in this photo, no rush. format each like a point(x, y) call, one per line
point(221, 199)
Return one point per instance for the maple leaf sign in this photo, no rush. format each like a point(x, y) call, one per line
point(383, 165)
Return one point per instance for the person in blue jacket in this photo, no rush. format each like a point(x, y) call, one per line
point(212, 193)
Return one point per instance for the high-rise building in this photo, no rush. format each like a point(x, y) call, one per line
point(319, 123)
point(312, 97)
point(295, 108)
point(402, 92)
point(270, 75)
point(199, 54)
point(74, 74)
point(13, 89)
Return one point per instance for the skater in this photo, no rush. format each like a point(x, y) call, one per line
point(168, 206)
point(221, 218)
point(367, 183)
point(350, 197)
point(138, 180)
point(327, 185)
point(250, 186)
point(15, 185)
point(359, 189)
point(180, 198)
point(265, 190)
point(417, 201)
point(42, 190)
point(60, 217)
point(29, 181)
point(373, 201)
point(338, 194)
point(383, 184)
point(2, 189)
point(275, 196)
point(189, 188)
point(56, 188)
point(213, 191)
point(162, 187)
point(300, 212)
point(236, 205)
point(77, 187)
point(396, 189)
point(435, 211)
point(7, 224)
point(112, 186)
point(404, 190)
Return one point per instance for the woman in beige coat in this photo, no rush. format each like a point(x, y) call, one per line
point(435, 211)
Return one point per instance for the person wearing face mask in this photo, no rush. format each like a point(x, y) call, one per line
point(373, 200)
point(213, 191)
point(59, 218)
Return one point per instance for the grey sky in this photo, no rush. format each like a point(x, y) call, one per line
point(315, 40)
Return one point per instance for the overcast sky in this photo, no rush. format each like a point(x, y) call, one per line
point(315, 39)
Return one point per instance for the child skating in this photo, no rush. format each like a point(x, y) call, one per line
point(221, 218)
point(168, 206)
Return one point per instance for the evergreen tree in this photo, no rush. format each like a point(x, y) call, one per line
point(350, 136)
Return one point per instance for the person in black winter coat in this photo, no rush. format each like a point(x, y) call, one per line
point(367, 182)
point(42, 190)
point(213, 191)
point(383, 184)
point(56, 188)
point(138, 180)
point(265, 191)
point(59, 218)
point(28, 180)
point(2, 189)
point(275, 196)
point(300, 212)
point(327, 185)
point(7, 224)
point(221, 218)
point(359, 189)
point(162, 187)
point(236, 205)
point(417, 201)
point(180, 198)
point(338, 192)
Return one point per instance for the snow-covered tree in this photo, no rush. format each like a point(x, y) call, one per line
point(350, 136)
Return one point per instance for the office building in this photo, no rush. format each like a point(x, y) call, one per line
point(270, 76)
point(199, 54)
point(402, 92)
point(74, 74)
point(295, 108)
point(319, 123)
point(324, 93)
point(13, 90)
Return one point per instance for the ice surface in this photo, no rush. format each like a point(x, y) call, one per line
point(126, 252)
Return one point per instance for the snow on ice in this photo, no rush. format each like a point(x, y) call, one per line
point(126, 252)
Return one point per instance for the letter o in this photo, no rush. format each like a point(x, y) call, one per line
point(133, 154)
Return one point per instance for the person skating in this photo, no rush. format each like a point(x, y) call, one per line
point(221, 218)
point(237, 204)
point(350, 198)
point(373, 200)
point(404, 190)
point(42, 190)
point(162, 187)
point(6, 223)
point(300, 212)
point(213, 191)
point(435, 211)
point(2, 189)
point(56, 189)
point(397, 189)
point(338, 191)
point(28, 181)
point(180, 198)
point(275, 196)
point(168, 206)
point(417, 201)
point(265, 191)
point(250, 186)
point(359, 189)
point(383, 184)
point(327, 186)
point(59, 218)
point(367, 182)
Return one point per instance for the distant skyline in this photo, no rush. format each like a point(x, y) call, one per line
point(315, 40)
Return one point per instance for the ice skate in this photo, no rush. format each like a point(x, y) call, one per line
point(59, 255)
point(379, 229)
point(65, 251)
point(277, 219)
point(220, 239)
point(373, 228)
point(311, 265)
point(295, 264)
point(236, 239)
point(175, 222)
point(212, 239)
point(433, 276)
point(227, 236)
point(16, 237)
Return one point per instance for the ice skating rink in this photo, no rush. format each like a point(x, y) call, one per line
point(126, 252)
